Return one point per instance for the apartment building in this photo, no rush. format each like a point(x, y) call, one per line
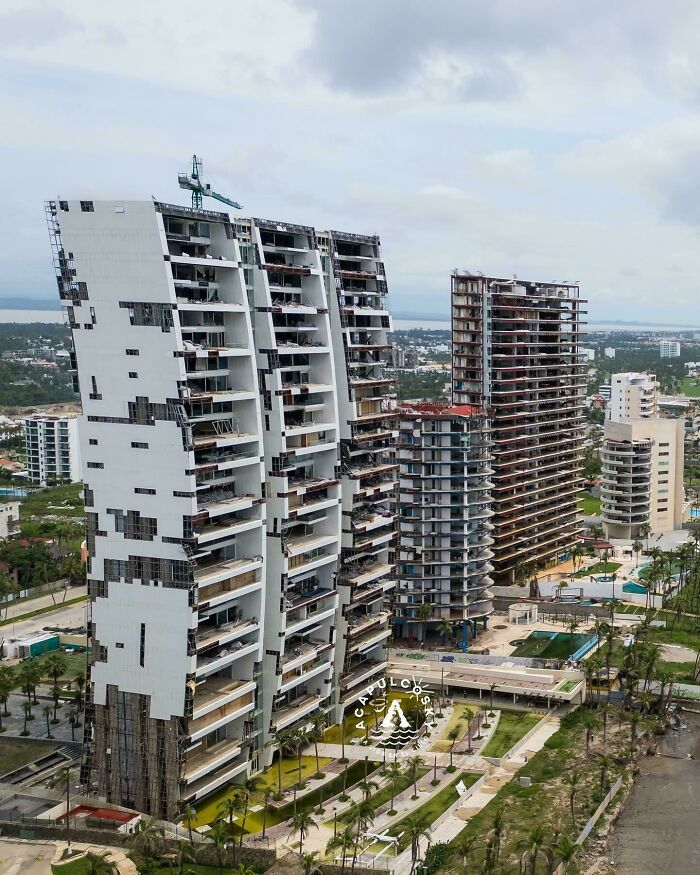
point(9, 520)
point(219, 434)
point(642, 477)
point(445, 528)
point(669, 349)
point(632, 396)
point(642, 461)
point(357, 294)
point(52, 449)
point(516, 354)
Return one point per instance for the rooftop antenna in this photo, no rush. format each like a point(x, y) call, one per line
point(193, 182)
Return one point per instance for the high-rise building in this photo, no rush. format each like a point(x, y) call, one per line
point(237, 422)
point(669, 349)
point(445, 529)
point(632, 396)
point(642, 477)
point(52, 449)
point(642, 461)
point(516, 355)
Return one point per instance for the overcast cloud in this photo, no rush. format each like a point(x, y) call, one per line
point(533, 137)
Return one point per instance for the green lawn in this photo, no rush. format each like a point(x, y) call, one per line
point(211, 812)
point(75, 663)
point(690, 387)
point(56, 501)
point(512, 726)
point(333, 735)
point(385, 793)
point(589, 506)
point(433, 808)
point(17, 752)
point(599, 568)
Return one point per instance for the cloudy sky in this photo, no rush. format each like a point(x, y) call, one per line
point(544, 138)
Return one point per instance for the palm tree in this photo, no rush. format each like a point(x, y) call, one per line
point(589, 722)
point(302, 822)
point(634, 719)
point(498, 823)
point(366, 787)
point(566, 850)
point(605, 764)
point(395, 772)
point(344, 841)
point(184, 854)
point(468, 715)
point(284, 741)
point(219, 836)
point(248, 788)
point(56, 667)
point(230, 808)
point(572, 626)
point(46, 711)
point(424, 612)
point(414, 764)
point(61, 780)
point(452, 736)
point(301, 739)
point(8, 681)
point(492, 687)
point(604, 712)
point(416, 829)
point(267, 798)
point(309, 862)
point(189, 814)
point(573, 781)
point(645, 532)
point(576, 556)
point(361, 815)
point(26, 677)
point(637, 548)
point(319, 723)
point(465, 847)
point(534, 842)
point(446, 630)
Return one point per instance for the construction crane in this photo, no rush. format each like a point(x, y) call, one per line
point(193, 182)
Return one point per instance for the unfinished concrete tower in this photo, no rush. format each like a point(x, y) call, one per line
point(516, 354)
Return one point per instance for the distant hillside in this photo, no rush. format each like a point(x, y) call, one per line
point(20, 303)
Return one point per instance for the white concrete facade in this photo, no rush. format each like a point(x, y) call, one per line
point(235, 385)
point(9, 520)
point(53, 450)
point(172, 467)
point(642, 477)
point(632, 396)
point(669, 349)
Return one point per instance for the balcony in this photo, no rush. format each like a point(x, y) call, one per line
point(226, 576)
point(368, 639)
point(219, 717)
point(209, 664)
point(309, 670)
point(216, 693)
point(298, 654)
point(301, 707)
point(198, 763)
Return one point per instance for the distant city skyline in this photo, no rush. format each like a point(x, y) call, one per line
point(543, 139)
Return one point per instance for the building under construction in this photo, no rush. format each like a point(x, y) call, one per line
point(445, 528)
point(516, 353)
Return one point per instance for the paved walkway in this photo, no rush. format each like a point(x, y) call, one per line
point(26, 606)
point(25, 857)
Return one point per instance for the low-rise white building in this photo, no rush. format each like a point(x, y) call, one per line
point(9, 520)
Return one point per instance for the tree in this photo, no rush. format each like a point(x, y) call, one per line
point(605, 764)
point(284, 741)
point(637, 548)
point(343, 842)
point(300, 740)
point(498, 823)
point(8, 681)
point(366, 787)
point(230, 808)
point(46, 710)
point(309, 863)
point(247, 789)
point(634, 719)
point(73, 721)
point(7, 588)
point(446, 630)
point(573, 781)
point(468, 715)
point(416, 829)
point(492, 687)
point(61, 781)
point(267, 798)
point(424, 612)
point(189, 815)
point(452, 736)
point(80, 686)
point(532, 844)
point(576, 556)
point(361, 815)
point(395, 772)
point(414, 764)
point(319, 723)
point(302, 822)
point(219, 836)
point(465, 847)
point(572, 626)
point(589, 722)
point(566, 850)
point(645, 532)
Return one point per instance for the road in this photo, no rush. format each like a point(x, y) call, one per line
point(23, 858)
point(73, 615)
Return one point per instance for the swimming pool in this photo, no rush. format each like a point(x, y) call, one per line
point(555, 645)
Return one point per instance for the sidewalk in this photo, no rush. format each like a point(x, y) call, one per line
point(26, 606)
